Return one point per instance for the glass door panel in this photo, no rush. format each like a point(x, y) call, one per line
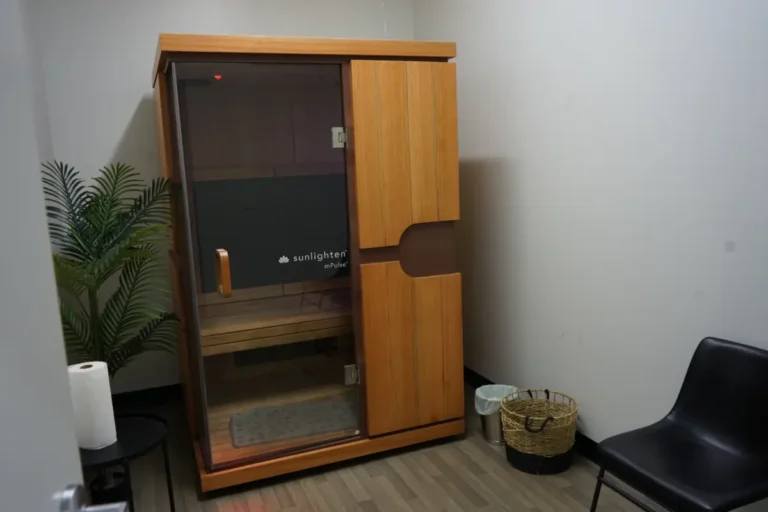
point(268, 215)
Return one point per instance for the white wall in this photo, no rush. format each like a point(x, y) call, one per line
point(97, 60)
point(38, 451)
point(614, 165)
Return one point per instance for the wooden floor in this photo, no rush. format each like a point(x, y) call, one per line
point(457, 475)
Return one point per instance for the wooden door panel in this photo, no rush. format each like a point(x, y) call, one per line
point(447, 152)
point(428, 330)
point(402, 367)
point(394, 167)
point(453, 347)
point(439, 348)
point(365, 128)
point(405, 147)
point(389, 370)
point(413, 352)
point(423, 137)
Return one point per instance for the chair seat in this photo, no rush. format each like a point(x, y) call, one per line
point(682, 471)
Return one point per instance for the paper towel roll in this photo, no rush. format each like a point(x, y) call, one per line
point(92, 404)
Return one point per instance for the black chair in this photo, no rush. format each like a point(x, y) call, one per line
point(711, 451)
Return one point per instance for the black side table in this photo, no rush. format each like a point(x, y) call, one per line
point(136, 436)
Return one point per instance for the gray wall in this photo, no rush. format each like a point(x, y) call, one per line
point(614, 180)
point(37, 449)
point(97, 60)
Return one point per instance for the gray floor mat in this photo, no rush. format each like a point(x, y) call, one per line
point(278, 423)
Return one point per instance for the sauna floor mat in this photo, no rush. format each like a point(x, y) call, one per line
point(279, 423)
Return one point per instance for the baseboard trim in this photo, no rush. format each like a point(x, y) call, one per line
point(474, 379)
point(146, 398)
point(585, 446)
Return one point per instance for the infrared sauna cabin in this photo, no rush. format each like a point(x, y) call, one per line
point(314, 200)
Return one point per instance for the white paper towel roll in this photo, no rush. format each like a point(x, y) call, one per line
point(92, 404)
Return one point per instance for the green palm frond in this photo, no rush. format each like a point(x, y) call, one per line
point(135, 302)
point(76, 329)
point(110, 192)
point(66, 192)
point(150, 208)
point(157, 335)
point(66, 200)
point(135, 245)
point(112, 227)
point(71, 276)
point(116, 182)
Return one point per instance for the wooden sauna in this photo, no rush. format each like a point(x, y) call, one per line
point(315, 195)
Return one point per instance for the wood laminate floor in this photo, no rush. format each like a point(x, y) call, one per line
point(456, 475)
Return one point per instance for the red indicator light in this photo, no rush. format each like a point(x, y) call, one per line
point(217, 77)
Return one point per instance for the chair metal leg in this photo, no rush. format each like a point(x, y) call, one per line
point(127, 468)
point(639, 504)
point(598, 486)
point(168, 480)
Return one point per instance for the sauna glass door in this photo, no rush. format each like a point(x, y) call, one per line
point(267, 212)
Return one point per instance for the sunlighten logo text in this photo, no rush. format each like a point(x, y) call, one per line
point(340, 258)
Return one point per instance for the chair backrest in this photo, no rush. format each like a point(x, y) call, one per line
point(725, 396)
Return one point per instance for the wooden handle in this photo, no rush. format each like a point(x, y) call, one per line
point(223, 278)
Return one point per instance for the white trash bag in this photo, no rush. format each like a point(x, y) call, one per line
point(488, 398)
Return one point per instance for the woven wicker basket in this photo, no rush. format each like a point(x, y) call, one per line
point(539, 422)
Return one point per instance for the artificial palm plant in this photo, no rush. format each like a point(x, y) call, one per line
point(115, 227)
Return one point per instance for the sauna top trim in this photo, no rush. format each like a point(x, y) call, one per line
point(263, 45)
